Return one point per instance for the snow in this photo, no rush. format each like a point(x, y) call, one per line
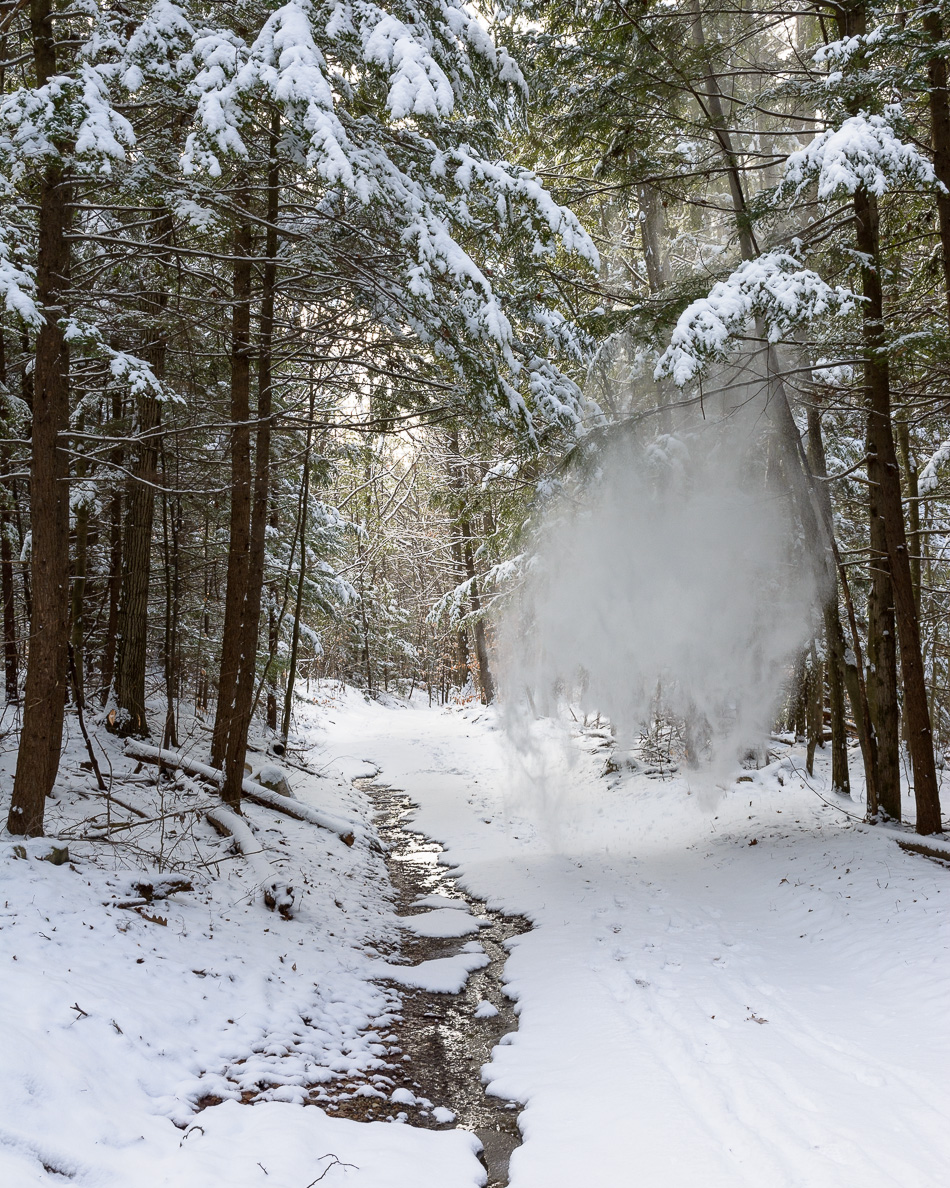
point(440, 901)
point(693, 1006)
point(442, 922)
point(439, 975)
point(863, 151)
point(718, 993)
point(929, 480)
point(774, 287)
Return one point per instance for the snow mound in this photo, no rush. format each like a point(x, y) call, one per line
point(441, 975)
point(443, 922)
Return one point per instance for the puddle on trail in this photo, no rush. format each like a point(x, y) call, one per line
point(445, 1043)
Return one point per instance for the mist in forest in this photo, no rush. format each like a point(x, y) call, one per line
point(668, 592)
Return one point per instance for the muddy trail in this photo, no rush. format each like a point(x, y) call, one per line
point(440, 1043)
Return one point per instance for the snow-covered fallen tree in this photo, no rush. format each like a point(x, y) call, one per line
point(345, 830)
point(278, 893)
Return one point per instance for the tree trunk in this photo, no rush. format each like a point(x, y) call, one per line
point(107, 674)
point(130, 719)
point(883, 470)
point(41, 738)
point(78, 597)
point(301, 581)
point(481, 644)
point(882, 666)
point(236, 747)
point(239, 537)
point(911, 475)
point(940, 135)
point(816, 709)
point(7, 589)
point(834, 636)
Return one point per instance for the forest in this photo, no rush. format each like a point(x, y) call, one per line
point(519, 363)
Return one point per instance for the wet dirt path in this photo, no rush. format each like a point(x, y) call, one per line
point(446, 1044)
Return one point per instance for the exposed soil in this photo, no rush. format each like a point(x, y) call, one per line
point(440, 1046)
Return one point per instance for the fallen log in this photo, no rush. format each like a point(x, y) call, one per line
point(278, 893)
point(256, 793)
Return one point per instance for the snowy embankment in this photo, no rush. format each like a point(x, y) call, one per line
point(751, 991)
point(133, 1031)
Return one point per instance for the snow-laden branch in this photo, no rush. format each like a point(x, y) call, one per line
point(842, 51)
point(928, 479)
point(774, 287)
point(73, 110)
point(450, 606)
point(125, 367)
point(17, 278)
point(863, 151)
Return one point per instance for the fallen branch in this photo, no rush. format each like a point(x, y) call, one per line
point(278, 894)
point(149, 892)
point(256, 793)
point(937, 852)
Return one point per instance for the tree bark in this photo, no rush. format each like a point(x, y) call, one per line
point(816, 707)
point(130, 719)
point(882, 665)
point(485, 678)
point(41, 737)
point(239, 536)
point(7, 587)
point(940, 135)
point(301, 581)
point(236, 747)
point(834, 636)
point(883, 470)
point(107, 674)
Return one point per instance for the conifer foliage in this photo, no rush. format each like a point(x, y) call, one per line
point(307, 306)
point(235, 241)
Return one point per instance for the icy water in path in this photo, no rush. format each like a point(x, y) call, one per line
point(446, 1044)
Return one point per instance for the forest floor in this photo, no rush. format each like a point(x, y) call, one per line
point(726, 987)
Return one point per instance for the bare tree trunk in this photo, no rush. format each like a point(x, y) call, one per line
point(239, 536)
point(78, 593)
point(41, 738)
point(834, 636)
point(236, 747)
point(461, 640)
point(273, 628)
point(107, 673)
point(481, 644)
point(940, 134)
point(132, 645)
point(301, 581)
point(7, 589)
point(816, 709)
point(883, 470)
point(170, 565)
point(130, 719)
point(11, 680)
point(653, 234)
point(911, 474)
point(882, 667)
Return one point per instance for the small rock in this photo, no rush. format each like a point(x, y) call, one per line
point(273, 777)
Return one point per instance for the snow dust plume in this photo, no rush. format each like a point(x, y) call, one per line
point(668, 593)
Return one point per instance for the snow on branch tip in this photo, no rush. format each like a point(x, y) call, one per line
point(774, 288)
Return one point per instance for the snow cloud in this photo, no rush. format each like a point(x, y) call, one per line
point(662, 586)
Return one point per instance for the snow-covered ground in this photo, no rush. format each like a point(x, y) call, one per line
point(746, 990)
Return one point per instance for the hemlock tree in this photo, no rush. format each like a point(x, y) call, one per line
point(338, 167)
